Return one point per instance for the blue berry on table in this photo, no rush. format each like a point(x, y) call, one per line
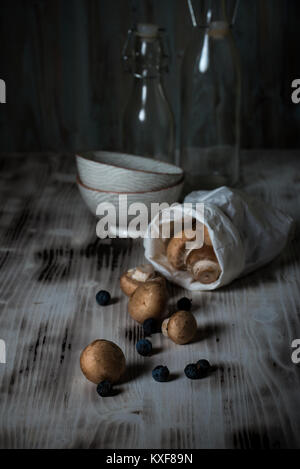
point(191, 371)
point(104, 388)
point(150, 326)
point(161, 374)
point(144, 347)
point(184, 304)
point(203, 367)
point(103, 297)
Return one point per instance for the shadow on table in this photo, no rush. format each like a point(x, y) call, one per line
point(209, 330)
point(135, 370)
point(260, 437)
point(269, 273)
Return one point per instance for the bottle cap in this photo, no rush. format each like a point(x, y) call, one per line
point(147, 30)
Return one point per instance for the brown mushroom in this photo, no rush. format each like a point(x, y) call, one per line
point(102, 360)
point(136, 277)
point(176, 249)
point(203, 265)
point(181, 327)
point(148, 301)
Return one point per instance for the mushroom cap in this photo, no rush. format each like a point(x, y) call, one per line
point(206, 272)
point(102, 360)
point(203, 265)
point(128, 284)
point(133, 278)
point(148, 301)
point(203, 253)
point(176, 249)
point(181, 327)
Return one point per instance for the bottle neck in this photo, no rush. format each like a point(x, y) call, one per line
point(147, 63)
point(211, 12)
point(147, 91)
point(146, 75)
point(146, 86)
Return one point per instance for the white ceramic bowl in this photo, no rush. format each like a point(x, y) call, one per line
point(93, 197)
point(108, 171)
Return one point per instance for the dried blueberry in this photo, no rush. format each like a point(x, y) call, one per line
point(161, 373)
point(144, 347)
point(103, 298)
point(184, 304)
point(104, 388)
point(203, 367)
point(150, 326)
point(191, 371)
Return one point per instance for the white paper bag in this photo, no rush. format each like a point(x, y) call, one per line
point(245, 233)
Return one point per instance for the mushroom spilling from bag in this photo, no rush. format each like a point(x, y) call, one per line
point(202, 262)
point(176, 250)
point(245, 234)
point(134, 278)
point(203, 265)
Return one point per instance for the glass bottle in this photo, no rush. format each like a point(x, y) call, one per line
point(211, 97)
point(148, 123)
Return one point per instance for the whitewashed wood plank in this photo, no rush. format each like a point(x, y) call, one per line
point(52, 267)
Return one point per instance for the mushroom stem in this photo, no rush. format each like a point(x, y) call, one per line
point(206, 271)
point(203, 265)
point(164, 327)
point(138, 276)
point(143, 273)
point(176, 249)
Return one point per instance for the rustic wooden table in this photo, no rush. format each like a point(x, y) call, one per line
point(52, 265)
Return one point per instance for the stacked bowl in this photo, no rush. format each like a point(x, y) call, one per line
point(105, 176)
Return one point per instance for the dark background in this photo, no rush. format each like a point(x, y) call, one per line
point(66, 90)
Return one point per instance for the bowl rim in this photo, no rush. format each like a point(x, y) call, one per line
point(80, 183)
point(180, 172)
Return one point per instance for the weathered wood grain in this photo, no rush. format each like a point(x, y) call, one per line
point(52, 265)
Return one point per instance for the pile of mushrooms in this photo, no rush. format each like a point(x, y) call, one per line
point(103, 360)
point(202, 262)
point(148, 297)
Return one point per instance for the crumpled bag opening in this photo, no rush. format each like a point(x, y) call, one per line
point(246, 234)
